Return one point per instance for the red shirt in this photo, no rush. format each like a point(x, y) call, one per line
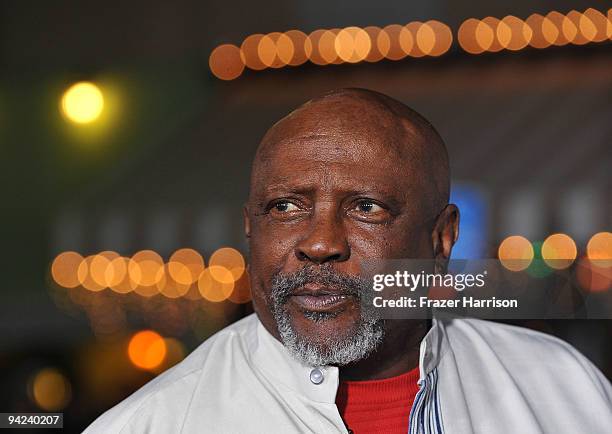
point(378, 406)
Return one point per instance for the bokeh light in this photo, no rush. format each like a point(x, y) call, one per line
point(374, 55)
point(557, 19)
point(311, 48)
point(82, 103)
point(298, 39)
point(249, 52)
point(513, 33)
point(218, 288)
point(64, 269)
point(559, 251)
point(543, 31)
point(185, 265)
point(85, 277)
point(353, 44)
point(408, 39)
point(229, 259)
point(599, 249)
point(50, 390)
point(100, 268)
point(275, 50)
point(117, 276)
point(145, 268)
point(147, 349)
point(225, 62)
point(474, 36)
point(172, 288)
point(391, 45)
point(515, 253)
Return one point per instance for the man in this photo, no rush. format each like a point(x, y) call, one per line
point(349, 177)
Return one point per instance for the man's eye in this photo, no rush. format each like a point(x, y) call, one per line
point(285, 206)
point(368, 207)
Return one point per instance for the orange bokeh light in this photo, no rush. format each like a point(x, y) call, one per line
point(216, 283)
point(375, 54)
point(539, 25)
point(599, 249)
point(225, 62)
point(229, 259)
point(468, 36)
point(559, 251)
point(64, 269)
point(249, 52)
point(118, 277)
point(515, 253)
point(145, 268)
point(394, 49)
point(147, 350)
point(172, 288)
point(275, 50)
point(353, 44)
point(513, 33)
point(84, 275)
point(189, 259)
point(298, 39)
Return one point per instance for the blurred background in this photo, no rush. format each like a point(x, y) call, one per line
point(127, 131)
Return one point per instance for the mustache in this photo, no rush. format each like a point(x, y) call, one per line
point(283, 285)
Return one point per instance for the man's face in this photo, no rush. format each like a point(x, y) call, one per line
point(323, 199)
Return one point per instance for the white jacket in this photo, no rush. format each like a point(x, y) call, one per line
point(475, 377)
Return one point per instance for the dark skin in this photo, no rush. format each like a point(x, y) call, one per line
point(351, 176)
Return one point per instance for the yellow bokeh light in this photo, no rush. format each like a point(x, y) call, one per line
point(515, 253)
point(64, 269)
point(229, 259)
point(217, 288)
point(147, 349)
point(50, 390)
point(82, 103)
point(559, 251)
point(599, 249)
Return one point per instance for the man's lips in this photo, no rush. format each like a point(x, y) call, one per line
point(317, 298)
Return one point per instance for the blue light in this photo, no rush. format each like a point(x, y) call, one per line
point(473, 223)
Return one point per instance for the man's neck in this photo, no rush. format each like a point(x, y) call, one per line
point(399, 353)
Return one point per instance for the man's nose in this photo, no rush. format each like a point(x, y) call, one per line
point(326, 241)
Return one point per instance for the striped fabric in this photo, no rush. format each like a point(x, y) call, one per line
point(425, 415)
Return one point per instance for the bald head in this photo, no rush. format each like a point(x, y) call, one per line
point(388, 126)
point(347, 178)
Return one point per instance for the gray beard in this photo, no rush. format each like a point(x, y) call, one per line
point(367, 335)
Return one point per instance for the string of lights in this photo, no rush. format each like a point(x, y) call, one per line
point(415, 39)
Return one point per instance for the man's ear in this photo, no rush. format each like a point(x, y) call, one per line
point(444, 236)
point(246, 221)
